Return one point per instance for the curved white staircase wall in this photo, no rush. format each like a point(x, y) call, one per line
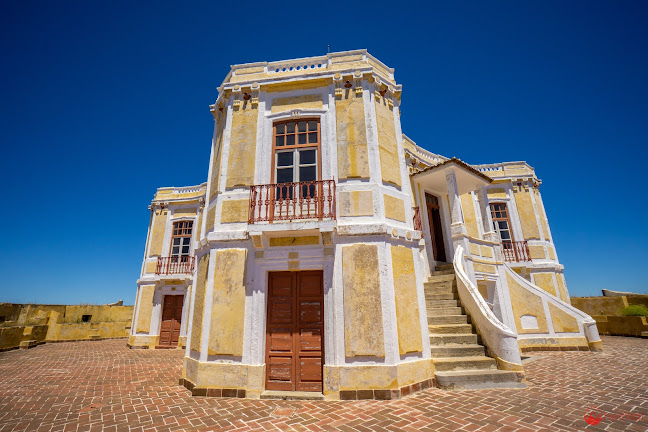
point(500, 340)
point(586, 324)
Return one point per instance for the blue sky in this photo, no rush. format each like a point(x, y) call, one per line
point(103, 102)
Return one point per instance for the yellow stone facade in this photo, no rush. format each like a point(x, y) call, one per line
point(350, 250)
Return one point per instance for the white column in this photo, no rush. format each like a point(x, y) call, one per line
point(456, 213)
point(489, 233)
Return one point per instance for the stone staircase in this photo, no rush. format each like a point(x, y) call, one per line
point(460, 360)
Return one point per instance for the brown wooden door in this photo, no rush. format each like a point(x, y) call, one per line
point(434, 217)
point(295, 331)
point(171, 320)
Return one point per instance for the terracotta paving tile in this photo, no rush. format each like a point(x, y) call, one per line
point(103, 386)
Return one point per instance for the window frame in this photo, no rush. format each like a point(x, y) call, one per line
point(182, 235)
point(496, 219)
point(295, 148)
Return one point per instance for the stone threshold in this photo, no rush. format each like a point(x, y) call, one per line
point(291, 395)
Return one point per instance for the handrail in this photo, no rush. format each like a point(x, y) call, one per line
point(175, 265)
point(517, 251)
point(589, 324)
point(498, 337)
point(292, 201)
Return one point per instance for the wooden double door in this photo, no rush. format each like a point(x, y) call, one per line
point(295, 331)
point(171, 321)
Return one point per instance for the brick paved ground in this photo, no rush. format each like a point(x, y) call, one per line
point(105, 386)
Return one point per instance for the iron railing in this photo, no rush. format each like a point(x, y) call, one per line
point(516, 251)
point(292, 201)
point(175, 265)
point(417, 219)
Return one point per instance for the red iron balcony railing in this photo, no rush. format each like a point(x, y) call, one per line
point(517, 251)
point(417, 219)
point(175, 265)
point(292, 201)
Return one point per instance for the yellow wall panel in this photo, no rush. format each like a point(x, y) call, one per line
point(394, 208)
point(387, 144)
point(527, 216)
point(211, 217)
point(199, 303)
point(543, 217)
point(524, 302)
point(545, 281)
point(484, 268)
point(495, 193)
point(157, 233)
point(353, 158)
point(562, 289)
point(235, 211)
point(199, 226)
point(218, 152)
point(228, 303)
point(294, 241)
point(469, 215)
point(562, 321)
point(145, 308)
point(312, 101)
point(151, 267)
point(356, 203)
point(242, 148)
point(407, 311)
point(363, 330)
point(537, 252)
point(184, 212)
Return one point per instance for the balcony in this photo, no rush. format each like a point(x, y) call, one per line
point(175, 265)
point(515, 251)
point(292, 201)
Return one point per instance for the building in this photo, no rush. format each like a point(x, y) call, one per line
point(328, 253)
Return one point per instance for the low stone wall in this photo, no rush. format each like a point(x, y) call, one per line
point(21, 336)
point(609, 306)
point(87, 331)
point(607, 313)
point(27, 325)
point(621, 325)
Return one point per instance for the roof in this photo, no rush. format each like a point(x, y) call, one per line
point(458, 162)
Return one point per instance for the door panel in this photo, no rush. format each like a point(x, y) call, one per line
point(171, 321)
point(294, 331)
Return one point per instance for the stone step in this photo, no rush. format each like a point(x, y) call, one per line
point(457, 351)
point(441, 303)
point(450, 329)
point(477, 379)
point(464, 363)
point(440, 339)
point(447, 319)
point(446, 266)
point(445, 296)
point(291, 395)
point(443, 272)
point(440, 290)
point(444, 311)
point(441, 278)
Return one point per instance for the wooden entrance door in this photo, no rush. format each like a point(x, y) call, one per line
point(434, 217)
point(171, 319)
point(295, 331)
